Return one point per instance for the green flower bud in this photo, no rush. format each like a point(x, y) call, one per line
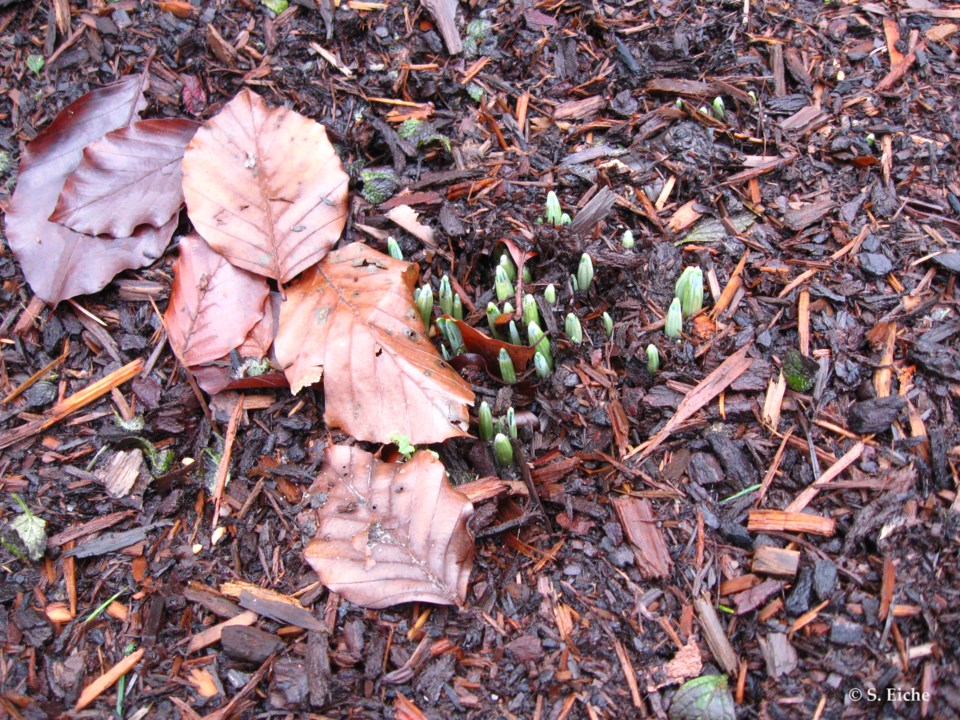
point(507, 264)
point(541, 365)
point(512, 423)
point(507, 371)
point(550, 294)
point(691, 299)
point(502, 450)
point(573, 283)
point(607, 324)
point(457, 307)
point(425, 304)
point(485, 421)
point(627, 240)
point(529, 310)
point(451, 332)
point(653, 358)
point(527, 275)
point(508, 308)
point(719, 111)
point(554, 212)
point(540, 342)
point(573, 329)
point(446, 296)
point(492, 314)
point(674, 322)
point(393, 248)
point(565, 219)
point(584, 273)
point(514, 334)
point(502, 284)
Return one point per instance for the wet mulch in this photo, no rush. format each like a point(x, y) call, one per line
point(803, 542)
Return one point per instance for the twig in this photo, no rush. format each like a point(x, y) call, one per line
point(224, 467)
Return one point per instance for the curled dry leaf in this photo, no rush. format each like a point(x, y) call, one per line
point(264, 188)
point(408, 218)
point(389, 533)
point(222, 375)
point(352, 319)
point(130, 177)
point(489, 348)
point(58, 262)
point(213, 305)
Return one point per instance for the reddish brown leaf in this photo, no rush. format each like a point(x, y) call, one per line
point(130, 177)
point(57, 262)
point(264, 188)
point(213, 305)
point(390, 533)
point(221, 375)
point(489, 348)
point(353, 318)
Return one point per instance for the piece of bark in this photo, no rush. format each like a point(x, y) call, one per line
point(88, 528)
point(716, 636)
point(445, 13)
point(318, 667)
point(212, 634)
point(781, 521)
point(598, 207)
point(775, 561)
point(121, 472)
point(640, 525)
point(755, 597)
point(217, 604)
point(779, 654)
point(92, 691)
point(273, 605)
point(799, 218)
point(248, 643)
point(111, 542)
point(874, 416)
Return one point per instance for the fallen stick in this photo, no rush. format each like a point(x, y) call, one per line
point(92, 691)
point(708, 388)
point(73, 403)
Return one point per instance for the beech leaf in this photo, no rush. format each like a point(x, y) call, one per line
point(489, 348)
point(130, 177)
point(389, 533)
point(213, 305)
point(352, 318)
point(264, 188)
point(58, 262)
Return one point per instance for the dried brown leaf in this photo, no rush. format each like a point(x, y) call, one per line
point(213, 305)
point(489, 348)
point(130, 177)
point(352, 318)
point(390, 533)
point(58, 262)
point(264, 188)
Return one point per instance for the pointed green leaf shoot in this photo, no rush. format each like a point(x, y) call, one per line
point(425, 304)
point(507, 371)
point(503, 450)
point(485, 421)
point(554, 212)
point(573, 329)
point(393, 248)
point(550, 294)
point(653, 359)
point(674, 323)
point(584, 273)
point(502, 284)
point(541, 365)
point(627, 240)
point(607, 324)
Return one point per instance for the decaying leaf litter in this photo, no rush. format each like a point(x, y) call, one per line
point(853, 184)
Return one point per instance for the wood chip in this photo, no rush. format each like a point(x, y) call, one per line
point(92, 691)
point(716, 637)
point(832, 473)
point(640, 524)
point(213, 633)
point(273, 605)
point(775, 561)
point(781, 521)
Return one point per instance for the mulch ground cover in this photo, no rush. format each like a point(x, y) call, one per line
point(778, 503)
